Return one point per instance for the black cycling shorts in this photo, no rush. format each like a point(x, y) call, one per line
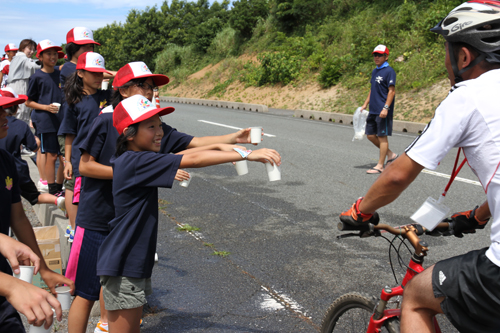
point(470, 284)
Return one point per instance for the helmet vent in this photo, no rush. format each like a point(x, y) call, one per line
point(491, 40)
point(449, 21)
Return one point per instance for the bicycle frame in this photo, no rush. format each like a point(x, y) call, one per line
point(381, 313)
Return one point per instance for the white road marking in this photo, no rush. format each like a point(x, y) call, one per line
point(228, 126)
point(460, 179)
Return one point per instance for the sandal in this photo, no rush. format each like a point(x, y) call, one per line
point(374, 171)
point(392, 159)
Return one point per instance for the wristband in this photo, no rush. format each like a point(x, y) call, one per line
point(386, 107)
point(243, 153)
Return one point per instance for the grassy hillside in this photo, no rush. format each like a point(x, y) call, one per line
point(287, 45)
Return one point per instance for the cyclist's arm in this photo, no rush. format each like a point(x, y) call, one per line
point(390, 184)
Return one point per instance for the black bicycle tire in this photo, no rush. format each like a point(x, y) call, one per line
point(351, 301)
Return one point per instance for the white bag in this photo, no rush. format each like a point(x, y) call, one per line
point(359, 124)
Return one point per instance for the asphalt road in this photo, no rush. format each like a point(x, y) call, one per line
point(284, 265)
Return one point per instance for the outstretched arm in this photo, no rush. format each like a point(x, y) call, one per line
point(242, 136)
point(212, 157)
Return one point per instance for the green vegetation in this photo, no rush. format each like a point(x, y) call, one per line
point(221, 253)
point(188, 228)
point(294, 41)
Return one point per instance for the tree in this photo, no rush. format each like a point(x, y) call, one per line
point(245, 14)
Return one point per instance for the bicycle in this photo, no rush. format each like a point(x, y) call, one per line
point(355, 312)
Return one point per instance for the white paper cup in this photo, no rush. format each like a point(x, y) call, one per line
point(241, 167)
point(25, 274)
point(58, 106)
point(41, 329)
point(185, 183)
point(255, 134)
point(64, 297)
point(273, 172)
point(104, 85)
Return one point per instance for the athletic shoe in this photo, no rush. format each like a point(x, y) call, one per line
point(43, 186)
point(61, 203)
point(71, 236)
point(68, 231)
point(101, 327)
point(26, 152)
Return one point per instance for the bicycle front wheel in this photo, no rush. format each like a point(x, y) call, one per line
point(351, 313)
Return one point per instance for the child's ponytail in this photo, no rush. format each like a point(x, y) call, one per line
point(122, 141)
point(73, 89)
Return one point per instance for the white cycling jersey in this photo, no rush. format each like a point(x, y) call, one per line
point(469, 118)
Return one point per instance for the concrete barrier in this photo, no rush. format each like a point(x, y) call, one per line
point(346, 119)
point(217, 104)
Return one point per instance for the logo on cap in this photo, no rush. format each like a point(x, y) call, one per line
point(145, 69)
point(85, 34)
point(144, 103)
point(98, 62)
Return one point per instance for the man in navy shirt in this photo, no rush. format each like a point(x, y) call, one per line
point(381, 100)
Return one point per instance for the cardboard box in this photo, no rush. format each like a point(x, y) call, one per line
point(54, 264)
point(48, 241)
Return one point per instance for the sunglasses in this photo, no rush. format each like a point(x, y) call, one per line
point(147, 86)
point(378, 55)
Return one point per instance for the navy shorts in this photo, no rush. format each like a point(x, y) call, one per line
point(471, 286)
point(49, 143)
point(82, 263)
point(10, 321)
point(29, 191)
point(378, 126)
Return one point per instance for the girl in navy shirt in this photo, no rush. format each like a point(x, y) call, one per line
point(84, 101)
point(126, 257)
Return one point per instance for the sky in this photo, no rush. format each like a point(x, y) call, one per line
point(52, 19)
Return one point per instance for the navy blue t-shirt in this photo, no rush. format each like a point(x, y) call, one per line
point(9, 194)
point(78, 119)
point(130, 246)
point(43, 88)
point(173, 141)
point(68, 69)
point(96, 208)
point(19, 133)
point(381, 80)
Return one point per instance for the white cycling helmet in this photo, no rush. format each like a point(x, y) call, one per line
point(475, 23)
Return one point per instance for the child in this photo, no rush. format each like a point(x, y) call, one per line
point(84, 101)
point(13, 216)
point(43, 91)
point(10, 50)
point(21, 68)
point(126, 257)
point(19, 133)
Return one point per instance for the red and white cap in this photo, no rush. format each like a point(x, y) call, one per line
point(381, 49)
point(45, 45)
point(137, 70)
point(7, 102)
point(135, 109)
point(80, 36)
point(11, 47)
point(92, 62)
point(9, 92)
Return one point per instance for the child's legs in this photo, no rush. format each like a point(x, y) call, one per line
point(70, 208)
point(79, 314)
point(40, 164)
point(125, 321)
point(47, 198)
point(50, 167)
point(60, 171)
point(104, 312)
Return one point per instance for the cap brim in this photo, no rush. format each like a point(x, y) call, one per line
point(58, 48)
point(95, 70)
point(160, 111)
point(7, 102)
point(84, 42)
point(159, 79)
point(60, 54)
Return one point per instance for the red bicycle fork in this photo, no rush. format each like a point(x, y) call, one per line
point(381, 314)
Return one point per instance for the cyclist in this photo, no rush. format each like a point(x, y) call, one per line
point(465, 288)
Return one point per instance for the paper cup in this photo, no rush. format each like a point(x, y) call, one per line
point(104, 85)
point(273, 172)
point(185, 183)
point(64, 297)
point(58, 106)
point(26, 273)
point(41, 329)
point(255, 134)
point(241, 167)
